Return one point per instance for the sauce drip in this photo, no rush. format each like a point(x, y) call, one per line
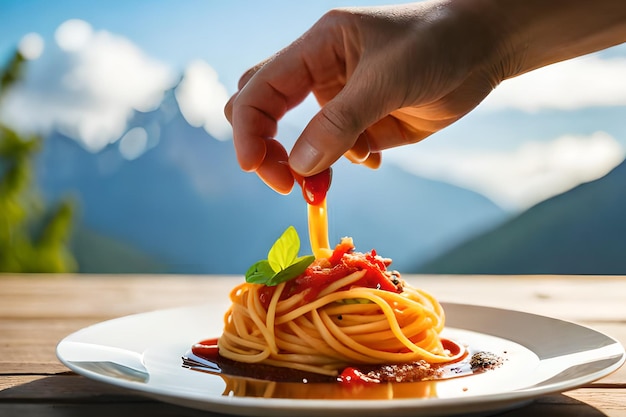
point(315, 187)
point(314, 190)
point(318, 230)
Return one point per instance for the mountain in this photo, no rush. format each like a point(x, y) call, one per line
point(186, 203)
point(405, 217)
point(579, 232)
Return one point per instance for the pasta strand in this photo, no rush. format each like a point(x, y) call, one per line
point(336, 329)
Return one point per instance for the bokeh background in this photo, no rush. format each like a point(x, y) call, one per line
point(115, 155)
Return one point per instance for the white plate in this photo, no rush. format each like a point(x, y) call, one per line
point(542, 356)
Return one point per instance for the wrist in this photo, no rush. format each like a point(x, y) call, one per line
point(529, 34)
point(483, 38)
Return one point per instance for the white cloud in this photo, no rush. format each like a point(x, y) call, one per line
point(86, 85)
point(201, 98)
point(583, 82)
point(518, 179)
point(73, 35)
point(31, 46)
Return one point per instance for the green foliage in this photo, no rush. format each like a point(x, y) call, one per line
point(97, 253)
point(12, 72)
point(282, 263)
point(33, 238)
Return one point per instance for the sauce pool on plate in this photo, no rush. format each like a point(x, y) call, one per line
point(363, 381)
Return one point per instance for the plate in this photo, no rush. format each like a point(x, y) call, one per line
point(542, 355)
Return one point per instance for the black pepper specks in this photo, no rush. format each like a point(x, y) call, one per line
point(485, 360)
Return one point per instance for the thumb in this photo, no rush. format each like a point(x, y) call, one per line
point(333, 131)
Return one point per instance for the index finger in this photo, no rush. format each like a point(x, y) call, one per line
point(275, 86)
point(279, 85)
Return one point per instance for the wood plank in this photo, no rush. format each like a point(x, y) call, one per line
point(103, 297)
point(611, 401)
point(564, 297)
point(100, 409)
point(11, 381)
point(110, 297)
point(113, 296)
point(29, 345)
point(72, 395)
point(98, 296)
point(548, 294)
point(68, 386)
point(37, 311)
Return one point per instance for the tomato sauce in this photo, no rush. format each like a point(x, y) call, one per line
point(315, 187)
point(351, 376)
point(411, 372)
point(343, 261)
point(207, 349)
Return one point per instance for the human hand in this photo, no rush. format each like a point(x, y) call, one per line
point(384, 76)
point(389, 76)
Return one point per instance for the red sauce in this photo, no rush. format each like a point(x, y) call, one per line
point(407, 372)
point(343, 261)
point(207, 349)
point(352, 376)
point(315, 187)
point(452, 347)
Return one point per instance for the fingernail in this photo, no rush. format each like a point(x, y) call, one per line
point(304, 158)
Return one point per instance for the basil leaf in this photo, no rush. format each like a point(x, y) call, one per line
point(260, 272)
point(292, 271)
point(282, 263)
point(285, 250)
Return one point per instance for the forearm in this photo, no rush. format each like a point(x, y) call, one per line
point(529, 34)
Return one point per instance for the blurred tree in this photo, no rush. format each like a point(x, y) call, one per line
point(33, 238)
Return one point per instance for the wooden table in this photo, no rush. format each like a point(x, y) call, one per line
point(36, 312)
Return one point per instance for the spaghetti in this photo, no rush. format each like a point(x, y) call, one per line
point(345, 309)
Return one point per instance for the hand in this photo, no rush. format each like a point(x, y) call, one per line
point(381, 78)
point(389, 76)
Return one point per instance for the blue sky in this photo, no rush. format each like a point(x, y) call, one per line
point(230, 35)
point(542, 133)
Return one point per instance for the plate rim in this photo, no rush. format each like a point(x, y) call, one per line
point(240, 405)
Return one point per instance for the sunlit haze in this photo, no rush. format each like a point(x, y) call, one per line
point(87, 85)
point(528, 175)
point(574, 84)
